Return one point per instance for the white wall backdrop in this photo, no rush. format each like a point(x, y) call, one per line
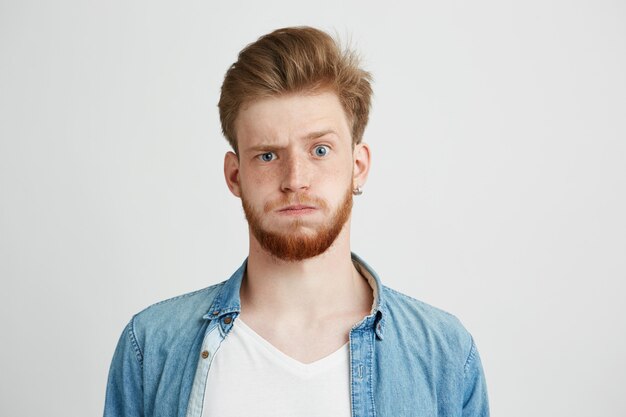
point(497, 190)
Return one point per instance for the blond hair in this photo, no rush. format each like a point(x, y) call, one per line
point(295, 60)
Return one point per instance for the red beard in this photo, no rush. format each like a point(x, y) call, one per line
point(291, 245)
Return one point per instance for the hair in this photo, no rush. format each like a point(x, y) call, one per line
point(295, 60)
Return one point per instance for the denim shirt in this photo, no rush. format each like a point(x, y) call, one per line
point(407, 358)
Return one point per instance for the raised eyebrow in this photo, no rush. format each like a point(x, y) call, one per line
point(319, 134)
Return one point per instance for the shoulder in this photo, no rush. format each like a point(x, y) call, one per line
point(425, 325)
point(176, 315)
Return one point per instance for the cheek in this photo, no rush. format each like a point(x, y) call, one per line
point(345, 171)
point(262, 179)
point(335, 182)
point(256, 184)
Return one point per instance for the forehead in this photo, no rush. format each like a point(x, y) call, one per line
point(278, 120)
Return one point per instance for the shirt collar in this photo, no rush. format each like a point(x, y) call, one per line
point(227, 302)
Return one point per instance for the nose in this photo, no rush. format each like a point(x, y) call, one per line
point(295, 175)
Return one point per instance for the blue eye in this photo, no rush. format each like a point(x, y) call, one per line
point(267, 156)
point(321, 150)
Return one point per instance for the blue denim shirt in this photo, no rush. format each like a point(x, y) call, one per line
point(407, 358)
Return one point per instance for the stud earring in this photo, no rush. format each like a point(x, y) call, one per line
point(358, 190)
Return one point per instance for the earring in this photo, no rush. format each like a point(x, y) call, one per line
point(358, 190)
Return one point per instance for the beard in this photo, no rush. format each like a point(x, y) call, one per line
point(292, 244)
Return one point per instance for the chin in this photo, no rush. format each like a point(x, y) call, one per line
point(294, 231)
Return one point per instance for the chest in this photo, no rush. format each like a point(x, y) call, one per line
point(305, 343)
point(270, 383)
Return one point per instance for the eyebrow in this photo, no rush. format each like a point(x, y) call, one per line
point(319, 134)
point(307, 137)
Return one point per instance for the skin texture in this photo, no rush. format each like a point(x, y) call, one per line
point(301, 291)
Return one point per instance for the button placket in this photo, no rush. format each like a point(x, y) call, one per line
point(210, 344)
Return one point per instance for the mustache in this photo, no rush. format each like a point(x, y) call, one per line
point(297, 199)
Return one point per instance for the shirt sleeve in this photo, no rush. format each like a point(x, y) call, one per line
point(475, 401)
point(124, 393)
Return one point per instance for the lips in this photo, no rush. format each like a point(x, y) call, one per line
point(296, 207)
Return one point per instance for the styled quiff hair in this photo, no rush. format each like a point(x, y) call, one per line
point(295, 60)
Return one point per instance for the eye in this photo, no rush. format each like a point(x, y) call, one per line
point(321, 150)
point(266, 157)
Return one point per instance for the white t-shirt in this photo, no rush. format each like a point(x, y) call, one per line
point(250, 377)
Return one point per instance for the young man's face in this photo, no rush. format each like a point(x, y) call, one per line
point(295, 172)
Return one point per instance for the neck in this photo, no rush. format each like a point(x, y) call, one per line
point(304, 290)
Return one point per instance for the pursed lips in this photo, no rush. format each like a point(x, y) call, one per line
point(297, 207)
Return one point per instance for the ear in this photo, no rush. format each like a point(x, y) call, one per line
point(231, 173)
point(362, 160)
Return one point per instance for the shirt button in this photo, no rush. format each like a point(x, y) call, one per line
point(227, 320)
point(205, 354)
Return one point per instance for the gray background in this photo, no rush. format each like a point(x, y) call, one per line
point(497, 190)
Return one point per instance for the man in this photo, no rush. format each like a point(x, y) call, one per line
point(304, 327)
